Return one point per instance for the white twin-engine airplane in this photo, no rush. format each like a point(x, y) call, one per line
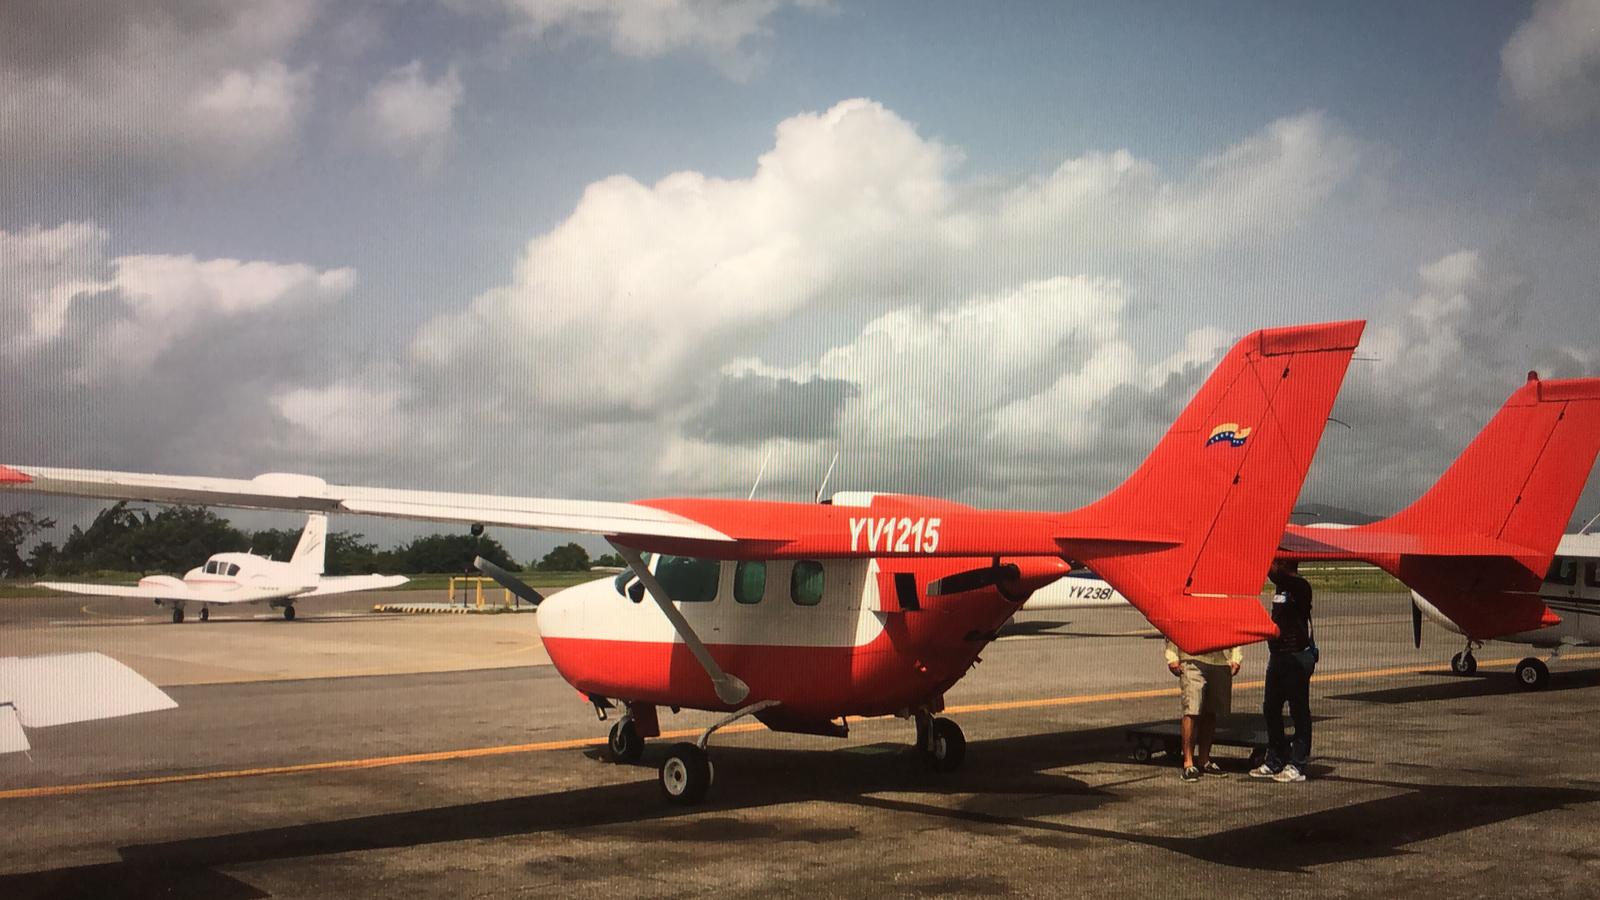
point(232, 578)
point(1571, 588)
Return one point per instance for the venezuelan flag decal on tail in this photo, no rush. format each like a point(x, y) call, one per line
point(1230, 432)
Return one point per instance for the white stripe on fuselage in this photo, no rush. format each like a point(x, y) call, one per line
point(844, 617)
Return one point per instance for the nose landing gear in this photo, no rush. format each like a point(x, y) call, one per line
point(941, 743)
point(1464, 663)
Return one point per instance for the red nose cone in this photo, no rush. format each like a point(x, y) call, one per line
point(12, 476)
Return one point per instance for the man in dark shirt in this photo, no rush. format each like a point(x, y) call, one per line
point(1291, 658)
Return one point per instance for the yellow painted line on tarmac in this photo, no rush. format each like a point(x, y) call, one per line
point(378, 762)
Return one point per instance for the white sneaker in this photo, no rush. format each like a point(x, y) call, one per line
point(1262, 771)
point(1289, 774)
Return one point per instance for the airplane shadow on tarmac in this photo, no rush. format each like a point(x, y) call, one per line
point(1019, 768)
point(1483, 684)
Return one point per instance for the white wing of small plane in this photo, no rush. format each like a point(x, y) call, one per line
point(167, 588)
point(345, 584)
point(40, 691)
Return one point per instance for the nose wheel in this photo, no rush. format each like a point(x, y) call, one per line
point(288, 613)
point(205, 614)
point(943, 746)
point(625, 743)
point(1464, 663)
point(177, 615)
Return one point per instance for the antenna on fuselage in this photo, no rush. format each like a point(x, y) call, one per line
point(825, 476)
point(760, 472)
point(1588, 524)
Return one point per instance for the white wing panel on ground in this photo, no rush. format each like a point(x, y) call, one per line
point(345, 584)
point(75, 687)
point(168, 589)
point(307, 493)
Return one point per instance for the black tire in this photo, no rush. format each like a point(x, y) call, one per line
point(1141, 754)
point(685, 775)
point(177, 616)
point(1464, 663)
point(1533, 675)
point(947, 746)
point(288, 614)
point(625, 743)
point(205, 614)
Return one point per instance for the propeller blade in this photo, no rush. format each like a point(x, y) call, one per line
point(508, 581)
point(1416, 624)
point(973, 579)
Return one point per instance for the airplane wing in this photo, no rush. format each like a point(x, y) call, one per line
point(39, 691)
point(345, 584)
point(165, 588)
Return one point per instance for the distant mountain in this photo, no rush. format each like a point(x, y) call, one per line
point(1323, 514)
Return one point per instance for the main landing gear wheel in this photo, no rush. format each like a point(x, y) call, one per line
point(686, 774)
point(177, 616)
point(1464, 663)
point(288, 614)
point(946, 747)
point(1533, 674)
point(205, 615)
point(626, 744)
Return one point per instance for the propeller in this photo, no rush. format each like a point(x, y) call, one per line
point(1416, 624)
point(991, 575)
point(508, 581)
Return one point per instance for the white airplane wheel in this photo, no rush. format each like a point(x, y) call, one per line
point(625, 743)
point(1533, 674)
point(205, 615)
point(947, 746)
point(288, 614)
point(685, 774)
point(1464, 663)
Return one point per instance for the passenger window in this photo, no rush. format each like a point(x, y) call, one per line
point(1563, 571)
point(805, 583)
point(688, 580)
point(233, 568)
point(750, 582)
point(1591, 575)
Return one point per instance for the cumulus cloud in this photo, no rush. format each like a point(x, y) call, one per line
point(677, 321)
point(169, 360)
point(719, 30)
point(151, 87)
point(407, 115)
point(1551, 63)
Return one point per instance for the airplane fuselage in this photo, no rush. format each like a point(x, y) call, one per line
point(1571, 589)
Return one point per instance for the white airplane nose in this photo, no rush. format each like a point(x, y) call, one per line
point(561, 614)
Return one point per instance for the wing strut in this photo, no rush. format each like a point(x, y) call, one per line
point(730, 689)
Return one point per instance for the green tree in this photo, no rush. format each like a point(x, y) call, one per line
point(450, 553)
point(16, 530)
point(565, 558)
point(610, 561)
point(173, 540)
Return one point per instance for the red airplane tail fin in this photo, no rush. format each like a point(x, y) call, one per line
point(1219, 487)
point(1517, 483)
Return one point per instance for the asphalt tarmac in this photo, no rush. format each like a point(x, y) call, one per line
point(441, 776)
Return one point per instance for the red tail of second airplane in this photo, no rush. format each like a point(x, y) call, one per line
point(1478, 542)
point(1215, 494)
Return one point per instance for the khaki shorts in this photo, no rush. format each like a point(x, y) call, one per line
point(1206, 688)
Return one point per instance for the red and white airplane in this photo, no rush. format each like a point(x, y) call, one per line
point(228, 579)
point(1477, 547)
point(874, 604)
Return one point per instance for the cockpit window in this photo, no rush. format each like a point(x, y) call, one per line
point(688, 580)
point(211, 567)
point(626, 576)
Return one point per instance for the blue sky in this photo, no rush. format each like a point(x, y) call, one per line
point(459, 266)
